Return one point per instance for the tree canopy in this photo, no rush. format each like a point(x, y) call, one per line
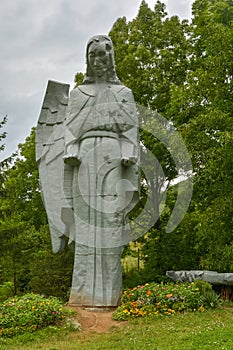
point(184, 71)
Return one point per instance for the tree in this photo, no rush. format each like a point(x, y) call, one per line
point(204, 106)
point(26, 258)
point(3, 134)
point(151, 56)
point(184, 71)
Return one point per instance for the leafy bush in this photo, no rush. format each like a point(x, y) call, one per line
point(210, 299)
point(203, 286)
point(6, 291)
point(154, 299)
point(29, 313)
point(133, 277)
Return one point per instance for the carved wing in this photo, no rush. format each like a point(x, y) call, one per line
point(49, 155)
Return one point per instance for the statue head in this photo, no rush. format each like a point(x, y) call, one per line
point(100, 61)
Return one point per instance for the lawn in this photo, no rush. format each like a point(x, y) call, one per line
point(212, 329)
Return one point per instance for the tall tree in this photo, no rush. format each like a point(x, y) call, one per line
point(184, 71)
point(152, 56)
point(204, 107)
point(26, 258)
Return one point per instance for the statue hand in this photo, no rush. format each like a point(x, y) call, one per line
point(129, 161)
point(72, 159)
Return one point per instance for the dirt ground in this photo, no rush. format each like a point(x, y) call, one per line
point(98, 321)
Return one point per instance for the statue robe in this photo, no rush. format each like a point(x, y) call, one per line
point(100, 130)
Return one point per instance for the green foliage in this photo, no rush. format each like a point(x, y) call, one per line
point(78, 78)
point(155, 300)
point(149, 63)
point(183, 71)
point(6, 291)
point(48, 273)
point(26, 258)
point(203, 286)
point(194, 330)
point(29, 313)
point(210, 299)
point(176, 69)
point(204, 105)
point(3, 134)
point(133, 277)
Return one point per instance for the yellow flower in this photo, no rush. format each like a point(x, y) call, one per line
point(171, 310)
point(142, 313)
point(201, 308)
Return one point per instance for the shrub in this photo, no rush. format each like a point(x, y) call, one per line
point(210, 299)
point(132, 278)
point(6, 291)
point(29, 313)
point(154, 299)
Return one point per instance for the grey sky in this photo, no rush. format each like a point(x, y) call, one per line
point(42, 40)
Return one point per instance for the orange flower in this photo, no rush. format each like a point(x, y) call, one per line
point(169, 296)
point(148, 292)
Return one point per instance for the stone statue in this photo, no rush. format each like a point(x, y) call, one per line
point(88, 157)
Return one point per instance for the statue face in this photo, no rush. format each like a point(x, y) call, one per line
point(98, 59)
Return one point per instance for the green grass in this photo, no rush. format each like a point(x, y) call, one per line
point(212, 329)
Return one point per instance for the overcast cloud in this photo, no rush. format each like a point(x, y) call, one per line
point(45, 40)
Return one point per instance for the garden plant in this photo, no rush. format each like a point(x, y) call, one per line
point(153, 299)
point(28, 313)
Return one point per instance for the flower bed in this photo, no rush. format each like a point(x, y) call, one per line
point(28, 313)
point(154, 299)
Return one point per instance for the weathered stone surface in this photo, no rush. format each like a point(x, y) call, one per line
point(212, 277)
point(88, 157)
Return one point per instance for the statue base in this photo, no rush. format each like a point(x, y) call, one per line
point(93, 308)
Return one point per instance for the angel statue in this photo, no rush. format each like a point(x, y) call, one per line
point(88, 156)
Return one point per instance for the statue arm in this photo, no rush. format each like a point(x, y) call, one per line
point(129, 139)
point(73, 126)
